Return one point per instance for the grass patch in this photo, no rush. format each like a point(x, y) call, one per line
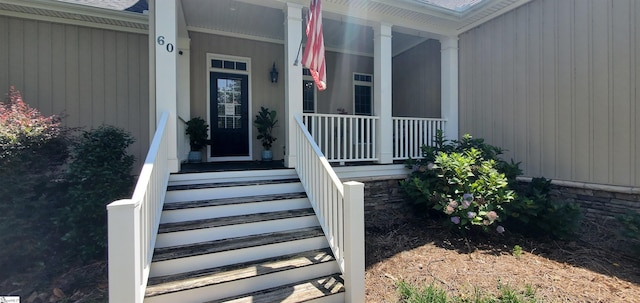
point(432, 294)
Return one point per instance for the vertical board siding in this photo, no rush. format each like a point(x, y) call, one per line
point(555, 83)
point(90, 76)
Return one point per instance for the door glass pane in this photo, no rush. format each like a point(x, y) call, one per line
point(229, 103)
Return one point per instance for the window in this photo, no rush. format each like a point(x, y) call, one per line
point(362, 94)
point(308, 92)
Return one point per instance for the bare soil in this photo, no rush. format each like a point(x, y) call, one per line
point(592, 268)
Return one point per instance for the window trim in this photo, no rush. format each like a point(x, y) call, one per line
point(361, 83)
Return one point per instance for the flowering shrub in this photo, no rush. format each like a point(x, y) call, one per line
point(460, 182)
point(23, 128)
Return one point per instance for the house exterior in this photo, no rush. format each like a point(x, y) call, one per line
point(552, 82)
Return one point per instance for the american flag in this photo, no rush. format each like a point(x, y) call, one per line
point(313, 56)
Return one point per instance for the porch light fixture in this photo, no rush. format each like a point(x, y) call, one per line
point(274, 73)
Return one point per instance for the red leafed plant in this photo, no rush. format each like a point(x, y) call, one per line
point(23, 127)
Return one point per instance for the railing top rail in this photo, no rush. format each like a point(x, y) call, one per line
point(416, 118)
point(318, 152)
point(340, 116)
point(147, 168)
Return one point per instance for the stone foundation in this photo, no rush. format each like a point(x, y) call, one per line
point(598, 203)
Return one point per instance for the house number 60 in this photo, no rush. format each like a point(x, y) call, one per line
point(160, 41)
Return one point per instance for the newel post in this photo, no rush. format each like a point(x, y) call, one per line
point(125, 268)
point(354, 241)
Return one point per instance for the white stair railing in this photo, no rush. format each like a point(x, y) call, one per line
point(410, 134)
point(339, 208)
point(344, 138)
point(133, 224)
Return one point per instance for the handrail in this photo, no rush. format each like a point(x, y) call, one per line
point(410, 134)
point(133, 223)
point(339, 208)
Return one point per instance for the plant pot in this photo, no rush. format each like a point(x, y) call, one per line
point(267, 155)
point(195, 157)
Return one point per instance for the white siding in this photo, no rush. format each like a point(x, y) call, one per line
point(91, 76)
point(554, 83)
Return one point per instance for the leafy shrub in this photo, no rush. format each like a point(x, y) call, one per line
point(33, 148)
point(535, 213)
point(468, 181)
point(631, 230)
point(462, 181)
point(99, 173)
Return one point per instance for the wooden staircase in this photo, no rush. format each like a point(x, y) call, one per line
point(243, 236)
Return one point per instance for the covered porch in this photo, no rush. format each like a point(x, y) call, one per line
point(392, 80)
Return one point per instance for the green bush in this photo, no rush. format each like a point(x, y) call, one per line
point(99, 173)
point(468, 182)
point(631, 230)
point(33, 148)
point(535, 213)
point(462, 181)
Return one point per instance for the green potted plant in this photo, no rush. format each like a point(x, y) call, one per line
point(265, 121)
point(198, 132)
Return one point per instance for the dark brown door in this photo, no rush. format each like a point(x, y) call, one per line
point(229, 115)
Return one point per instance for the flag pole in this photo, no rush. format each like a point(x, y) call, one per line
point(295, 63)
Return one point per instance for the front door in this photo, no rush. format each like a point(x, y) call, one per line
point(229, 116)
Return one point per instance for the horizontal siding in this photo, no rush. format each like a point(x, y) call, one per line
point(90, 76)
point(554, 83)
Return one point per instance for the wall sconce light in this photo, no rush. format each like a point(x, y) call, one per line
point(274, 73)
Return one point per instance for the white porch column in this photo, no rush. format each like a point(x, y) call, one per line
point(293, 78)
point(449, 75)
point(382, 80)
point(166, 49)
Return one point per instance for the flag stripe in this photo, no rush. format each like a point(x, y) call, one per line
point(313, 56)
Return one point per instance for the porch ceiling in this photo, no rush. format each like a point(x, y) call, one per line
point(347, 23)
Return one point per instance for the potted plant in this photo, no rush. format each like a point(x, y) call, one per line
point(198, 132)
point(265, 121)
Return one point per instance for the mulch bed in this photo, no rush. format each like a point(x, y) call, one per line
point(591, 268)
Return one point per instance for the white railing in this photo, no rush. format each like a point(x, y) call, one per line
point(344, 138)
point(410, 134)
point(133, 224)
point(339, 208)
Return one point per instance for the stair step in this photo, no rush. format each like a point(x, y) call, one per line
point(231, 184)
point(181, 233)
point(210, 247)
point(243, 219)
point(305, 291)
point(224, 277)
point(231, 176)
point(206, 191)
point(232, 201)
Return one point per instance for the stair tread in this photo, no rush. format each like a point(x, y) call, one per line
point(201, 278)
point(297, 292)
point(233, 220)
point(229, 201)
point(231, 184)
point(209, 247)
